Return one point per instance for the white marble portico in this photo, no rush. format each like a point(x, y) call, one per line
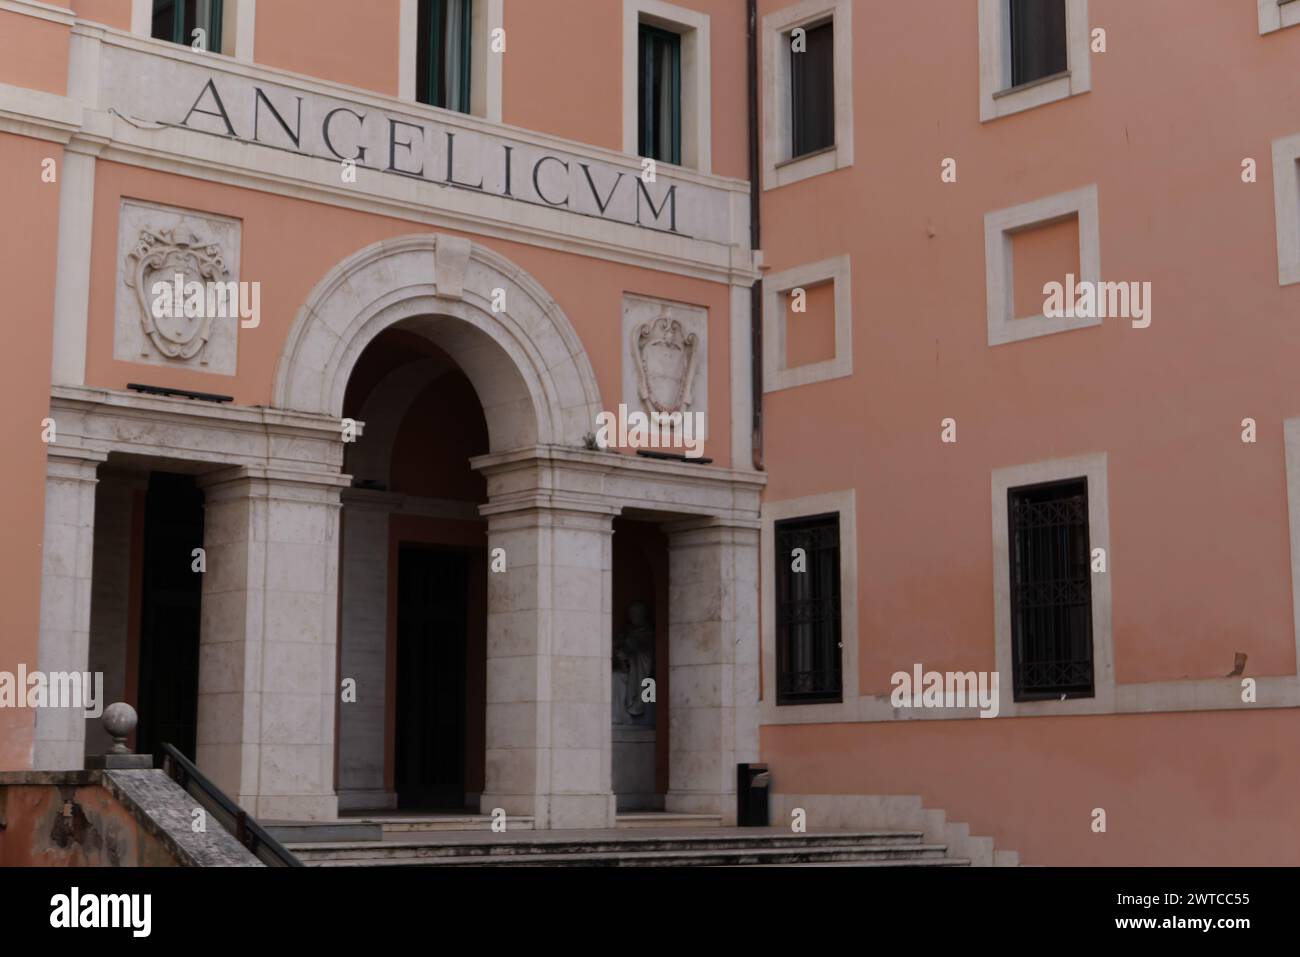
point(273, 482)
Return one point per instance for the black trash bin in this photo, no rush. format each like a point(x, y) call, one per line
point(753, 781)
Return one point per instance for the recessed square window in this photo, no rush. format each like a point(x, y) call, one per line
point(1041, 255)
point(1032, 52)
point(807, 91)
point(1035, 237)
point(810, 326)
point(790, 359)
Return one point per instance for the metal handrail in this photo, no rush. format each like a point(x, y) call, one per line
point(232, 817)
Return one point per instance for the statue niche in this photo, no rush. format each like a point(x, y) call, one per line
point(634, 661)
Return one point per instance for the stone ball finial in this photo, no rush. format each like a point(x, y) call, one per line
point(119, 721)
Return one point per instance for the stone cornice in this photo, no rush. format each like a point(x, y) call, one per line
point(108, 420)
point(579, 480)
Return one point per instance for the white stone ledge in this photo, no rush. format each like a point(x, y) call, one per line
point(38, 114)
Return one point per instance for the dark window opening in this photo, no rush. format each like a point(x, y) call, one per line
point(659, 88)
point(808, 610)
point(1038, 40)
point(1051, 591)
point(176, 20)
point(442, 59)
point(812, 91)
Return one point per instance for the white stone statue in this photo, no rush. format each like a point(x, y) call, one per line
point(634, 655)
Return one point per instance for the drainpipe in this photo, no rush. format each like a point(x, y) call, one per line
point(755, 242)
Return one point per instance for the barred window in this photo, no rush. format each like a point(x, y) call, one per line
point(808, 610)
point(1051, 591)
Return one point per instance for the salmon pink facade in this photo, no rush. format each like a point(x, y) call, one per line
point(367, 526)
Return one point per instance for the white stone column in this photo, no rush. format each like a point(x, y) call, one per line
point(67, 558)
point(363, 650)
point(712, 664)
point(548, 664)
point(110, 600)
point(268, 646)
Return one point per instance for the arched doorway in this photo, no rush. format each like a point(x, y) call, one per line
point(413, 594)
point(459, 313)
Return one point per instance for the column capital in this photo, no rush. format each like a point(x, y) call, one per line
point(73, 463)
point(263, 482)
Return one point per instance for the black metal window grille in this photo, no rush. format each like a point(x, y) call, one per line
point(812, 91)
point(1051, 591)
point(1038, 40)
point(808, 611)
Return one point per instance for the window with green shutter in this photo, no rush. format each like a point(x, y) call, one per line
point(176, 20)
point(442, 61)
point(660, 95)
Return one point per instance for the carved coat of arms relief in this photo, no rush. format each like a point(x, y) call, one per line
point(665, 357)
point(160, 256)
point(160, 319)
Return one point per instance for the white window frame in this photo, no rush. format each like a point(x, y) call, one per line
point(779, 167)
point(1291, 432)
point(1277, 15)
point(1286, 200)
point(485, 67)
point(777, 375)
point(696, 87)
point(238, 26)
point(997, 97)
point(849, 707)
point(1092, 467)
point(999, 229)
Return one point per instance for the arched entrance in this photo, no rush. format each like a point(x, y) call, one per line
point(445, 310)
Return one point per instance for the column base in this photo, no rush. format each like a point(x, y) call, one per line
point(291, 807)
point(722, 803)
point(367, 799)
point(555, 811)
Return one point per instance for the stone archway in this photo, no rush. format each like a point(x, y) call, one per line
point(512, 340)
point(547, 747)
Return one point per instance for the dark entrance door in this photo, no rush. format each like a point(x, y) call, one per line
point(169, 615)
point(432, 632)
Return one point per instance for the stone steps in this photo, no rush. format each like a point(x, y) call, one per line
point(876, 848)
point(637, 820)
